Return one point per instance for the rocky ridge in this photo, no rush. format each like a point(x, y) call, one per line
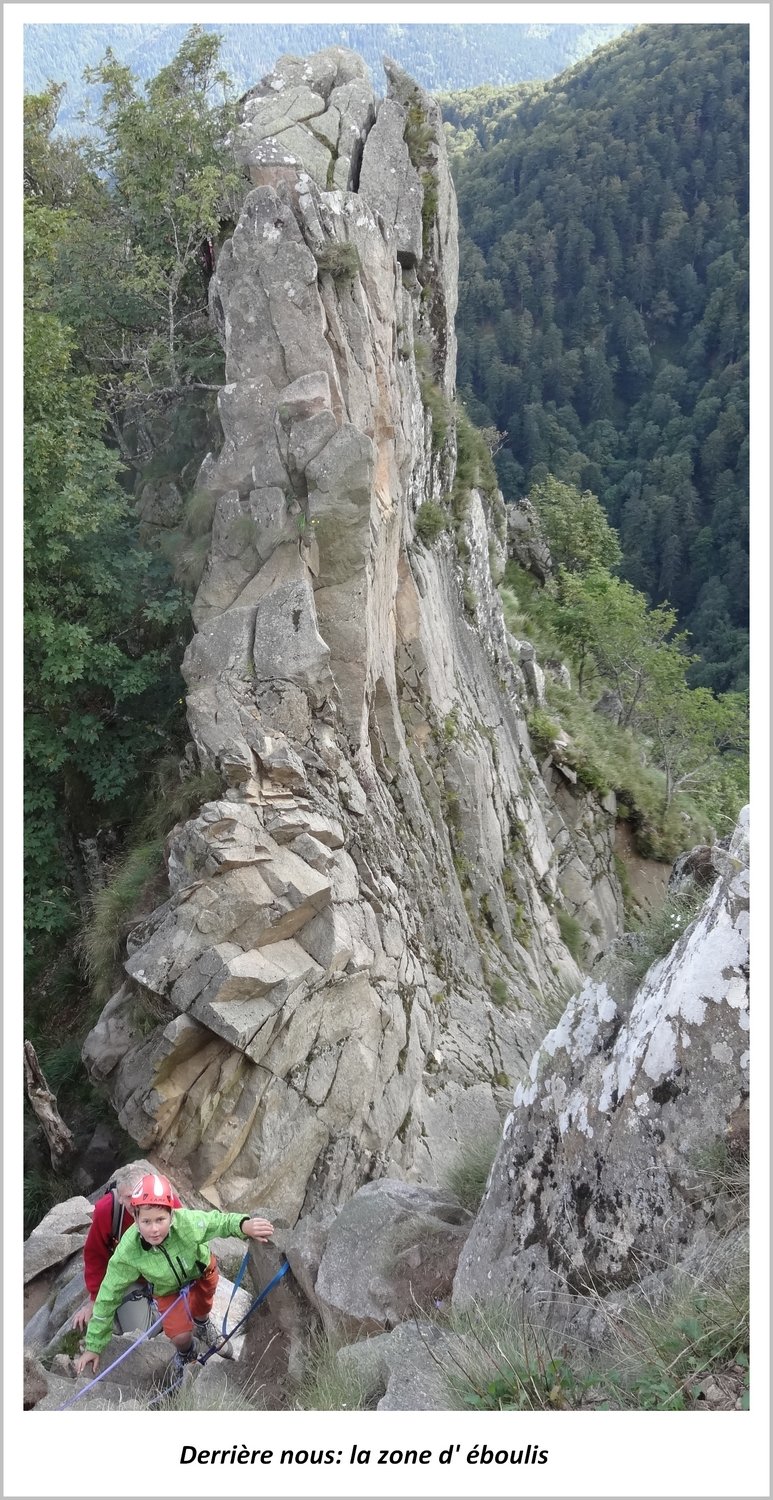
point(359, 950)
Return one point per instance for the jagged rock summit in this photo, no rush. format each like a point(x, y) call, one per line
point(360, 943)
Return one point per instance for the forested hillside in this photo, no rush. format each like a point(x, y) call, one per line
point(603, 322)
point(438, 56)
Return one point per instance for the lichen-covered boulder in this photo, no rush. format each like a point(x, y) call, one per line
point(601, 1174)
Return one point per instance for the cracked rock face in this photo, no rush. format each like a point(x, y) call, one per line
point(312, 1005)
point(600, 1178)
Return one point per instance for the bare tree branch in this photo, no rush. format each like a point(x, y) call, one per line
point(59, 1138)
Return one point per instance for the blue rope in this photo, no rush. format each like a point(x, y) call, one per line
point(261, 1297)
point(126, 1353)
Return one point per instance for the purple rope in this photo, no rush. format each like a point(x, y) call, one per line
point(127, 1352)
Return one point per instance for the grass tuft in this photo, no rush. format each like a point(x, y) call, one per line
point(572, 934)
point(658, 932)
point(431, 522)
point(114, 907)
point(137, 876)
point(468, 1175)
point(333, 1385)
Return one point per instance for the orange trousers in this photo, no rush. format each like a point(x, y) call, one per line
point(197, 1303)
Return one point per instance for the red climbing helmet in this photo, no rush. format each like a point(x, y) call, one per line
point(153, 1191)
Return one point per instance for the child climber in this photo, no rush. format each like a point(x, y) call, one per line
point(167, 1247)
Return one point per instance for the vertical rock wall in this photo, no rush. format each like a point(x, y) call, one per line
point(359, 949)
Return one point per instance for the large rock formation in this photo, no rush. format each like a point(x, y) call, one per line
point(601, 1177)
point(360, 946)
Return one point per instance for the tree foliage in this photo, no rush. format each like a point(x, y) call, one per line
point(99, 673)
point(147, 204)
point(603, 320)
point(115, 318)
point(578, 533)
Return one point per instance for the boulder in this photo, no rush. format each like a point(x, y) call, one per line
point(409, 1369)
point(700, 865)
point(526, 541)
point(35, 1382)
point(392, 1248)
point(602, 1149)
point(44, 1249)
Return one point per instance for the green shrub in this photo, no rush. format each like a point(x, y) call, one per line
point(470, 600)
point(139, 874)
point(342, 262)
point(438, 408)
point(189, 560)
point(42, 1189)
point(418, 134)
point(69, 1342)
point(468, 1175)
point(647, 1357)
point(431, 522)
point(572, 934)
point(543, 730)
point(429, 208)
point(722, 1173)
point(474, 464)
point(173, 800)
point(701, 1326)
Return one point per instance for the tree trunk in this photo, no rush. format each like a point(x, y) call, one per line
point(59, 1138)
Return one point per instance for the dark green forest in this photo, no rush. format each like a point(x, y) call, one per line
point(438, 56)
point(603, 310)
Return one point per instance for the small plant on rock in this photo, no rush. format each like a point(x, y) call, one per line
point(430, 523)
point(342, 262)
point(468, 1176)
point(571, 934)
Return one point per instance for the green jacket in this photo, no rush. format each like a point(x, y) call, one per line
point(181, 1259)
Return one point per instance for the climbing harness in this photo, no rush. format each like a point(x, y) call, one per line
point(198, 1359)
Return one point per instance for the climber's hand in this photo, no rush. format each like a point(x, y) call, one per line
point(84, 1360)
point(257, 1229)
point(83, 1316)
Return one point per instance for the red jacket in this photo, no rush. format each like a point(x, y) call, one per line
point(100, 1244)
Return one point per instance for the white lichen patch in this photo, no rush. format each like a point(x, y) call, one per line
point(524, 1095)
point(660, 1057)
point(576, 1114)
point(736, 993)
